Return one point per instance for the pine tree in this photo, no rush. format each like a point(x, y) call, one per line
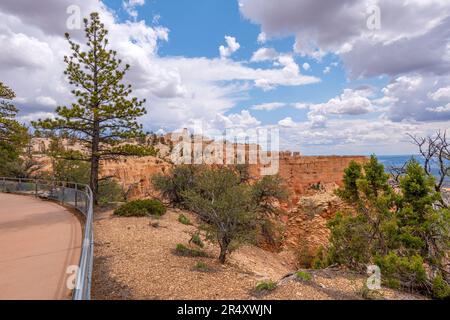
point(13, 136)
point(376, 177)
point(103, 118)
point(351, 175)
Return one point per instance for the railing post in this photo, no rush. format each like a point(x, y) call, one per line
point(76, 195)
point(62, 192)
point(35, 188)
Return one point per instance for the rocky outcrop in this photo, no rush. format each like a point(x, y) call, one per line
point(134, 174)
point(306, 224)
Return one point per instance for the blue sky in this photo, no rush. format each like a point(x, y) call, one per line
point(209, 21)
point(334, 77)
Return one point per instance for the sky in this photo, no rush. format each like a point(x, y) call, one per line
point(333, 77)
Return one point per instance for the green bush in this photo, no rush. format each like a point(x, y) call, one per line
point(109, 191)
point(403, 232)
point(184, 251)
point(441, 289)
point(402, 272)
point(266, 286)
point(179, 179)
point(184, 220)
point(303, 275)
point(141, 208)
point(195, 239)
point(201, 266)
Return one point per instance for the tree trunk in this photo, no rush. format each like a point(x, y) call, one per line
point(224, 243)
point(223, 254)
point(95, 160)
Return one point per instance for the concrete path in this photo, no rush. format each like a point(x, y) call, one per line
point(38, 241)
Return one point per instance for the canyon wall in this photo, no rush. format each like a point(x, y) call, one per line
point(301, 172)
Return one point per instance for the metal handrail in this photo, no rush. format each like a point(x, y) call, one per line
point(78, 196)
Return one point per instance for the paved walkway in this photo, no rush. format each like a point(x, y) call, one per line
point(38, 241)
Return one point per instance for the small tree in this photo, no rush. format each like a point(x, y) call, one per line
point(351, 175)
point(179, 179)
point(103, 118)
point(268, 189)
point(435, 151)
point(13, 136)
point(226, 206)
point(403, 232)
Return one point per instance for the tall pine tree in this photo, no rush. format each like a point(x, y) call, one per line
point(103, 118)
point(13, 136)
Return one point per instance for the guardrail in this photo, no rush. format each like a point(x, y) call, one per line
point(78, 196)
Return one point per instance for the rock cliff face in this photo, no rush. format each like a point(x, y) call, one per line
point(299, 172)
point(303, 173)
point(134, 174)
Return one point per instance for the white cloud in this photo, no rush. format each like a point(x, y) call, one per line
point(414, 28)
point(46, 101)
point(287, 122)
point(131, 5)
point(440, 109)
point(300, 105)
point(268, 106)
point(262, 38)
point(264, 54)
point(232, 47)
point(27, 119)
point(440, 94)
point(352, 136)
point(350, 102)
point(327, 70)
point(241, 120)
point(408, 98)
point(306, 66)
point(177, 89)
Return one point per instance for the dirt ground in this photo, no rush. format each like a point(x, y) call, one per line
point(134, 259)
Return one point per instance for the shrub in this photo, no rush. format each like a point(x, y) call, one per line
point(109, 191)
point(195, 239)
point(266, 286)
point(184, 251)
point(320, 259)
point(441, 289)
point(304, 257)
point(350, 245)
point(184, 220)
point(403, 232)
point(201, 266)
point(402, 272)
point(369, 294)
point(266, 190)
point(272, 233)
point(179, 179)
point(141, 208)
point(303, 275)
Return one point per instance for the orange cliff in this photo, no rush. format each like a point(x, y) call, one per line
point(299, 172)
